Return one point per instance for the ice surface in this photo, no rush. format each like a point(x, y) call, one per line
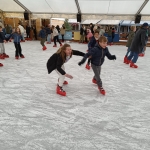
point(34, 117)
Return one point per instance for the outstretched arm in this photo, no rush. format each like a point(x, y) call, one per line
point(78, 53)
point(109, 56)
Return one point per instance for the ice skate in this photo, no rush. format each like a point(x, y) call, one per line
point(1, 65)
point(94, 81)
point(132, 65)
point(87, 67)
point(102, 91)
point(60, 91)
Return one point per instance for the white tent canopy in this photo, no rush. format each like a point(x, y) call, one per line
point(90, 21)
point(127, 9)
point(109, 22)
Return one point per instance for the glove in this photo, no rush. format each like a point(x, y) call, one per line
point(82, 62)
point(113, 57)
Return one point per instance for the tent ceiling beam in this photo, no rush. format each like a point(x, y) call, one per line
point(141, 8)
point(21, 5)
point(78, 6)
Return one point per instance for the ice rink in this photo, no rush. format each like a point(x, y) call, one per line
point(34, 117)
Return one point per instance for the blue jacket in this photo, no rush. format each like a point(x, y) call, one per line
point(98, 55)
point(42, 34)
point(48, 30)
point(2, 37)
point(91, 43)
point(17, 37)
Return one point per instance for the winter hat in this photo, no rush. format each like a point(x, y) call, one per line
point(145, 24)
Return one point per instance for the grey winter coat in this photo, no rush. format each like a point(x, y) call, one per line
point(138, 42)
point(130, 38)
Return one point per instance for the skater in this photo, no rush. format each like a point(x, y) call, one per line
point(62, 32)
point(22, 31)
point(110, 36)
point(48, 32)
point(91, 44)
point(98, 54)
point(17, 38)
point(3, 55)
point(55, 35)
point(137, 45)
point(113, 35)
point(56, 62)
point(28, 31)
point(42, 35)
point(144, 49)
point(130, 39)
point(82, 34)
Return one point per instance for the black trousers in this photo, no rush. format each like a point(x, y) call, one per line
point(89, 61)
point(62, 37)
point(18, 49)
point(56, 38)
point(28, 35)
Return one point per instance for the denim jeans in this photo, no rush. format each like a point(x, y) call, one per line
point(128, 51)
point(49, 38)
point(133, 56)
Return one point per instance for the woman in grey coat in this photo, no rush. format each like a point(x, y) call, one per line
point(137, 45)
point(130, 39)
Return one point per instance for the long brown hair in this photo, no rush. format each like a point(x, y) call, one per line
point(61, 52)
point(16, 30)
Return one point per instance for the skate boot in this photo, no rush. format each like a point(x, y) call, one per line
point(54, 45)
point(1, 65)
point(87, 67)
point(17, 57)
point(125, 59)
point(60, 91)
point(102, 91)
point(132, 65)
point(22, 56)
point(61, 45)
point(141, 54)
point(94, 81)
point(44, 48)
point(1, 56)
point(65, 83)
point(5, 55)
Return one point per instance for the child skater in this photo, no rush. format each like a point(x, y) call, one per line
point(98, 54)
point(91, 44)
point(137, 45)
point(130, 39)
point(42, 35)
point(3, 55)
point(17, 38)
point(55, 35)
point(56, 62)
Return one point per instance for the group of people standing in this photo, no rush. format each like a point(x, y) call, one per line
point(86, 32)
point(50, 33)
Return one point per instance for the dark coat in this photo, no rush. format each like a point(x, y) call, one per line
point(98, 55)
point(82, 31)
point(48, 30)
point(56, 62)
point(91, 43)
point(2, 37)
point(130, 38)
point(42, 34)
point(28, 29)
point(138, 42)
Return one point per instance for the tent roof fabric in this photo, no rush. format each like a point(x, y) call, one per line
point(109, 22)
point(92, 7)
point(90, 21)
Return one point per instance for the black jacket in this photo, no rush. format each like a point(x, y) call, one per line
point(56, 62)
point(139, 40)
point(82, 31)
point(98, 55)
point(28, 29)
point(2, 37)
